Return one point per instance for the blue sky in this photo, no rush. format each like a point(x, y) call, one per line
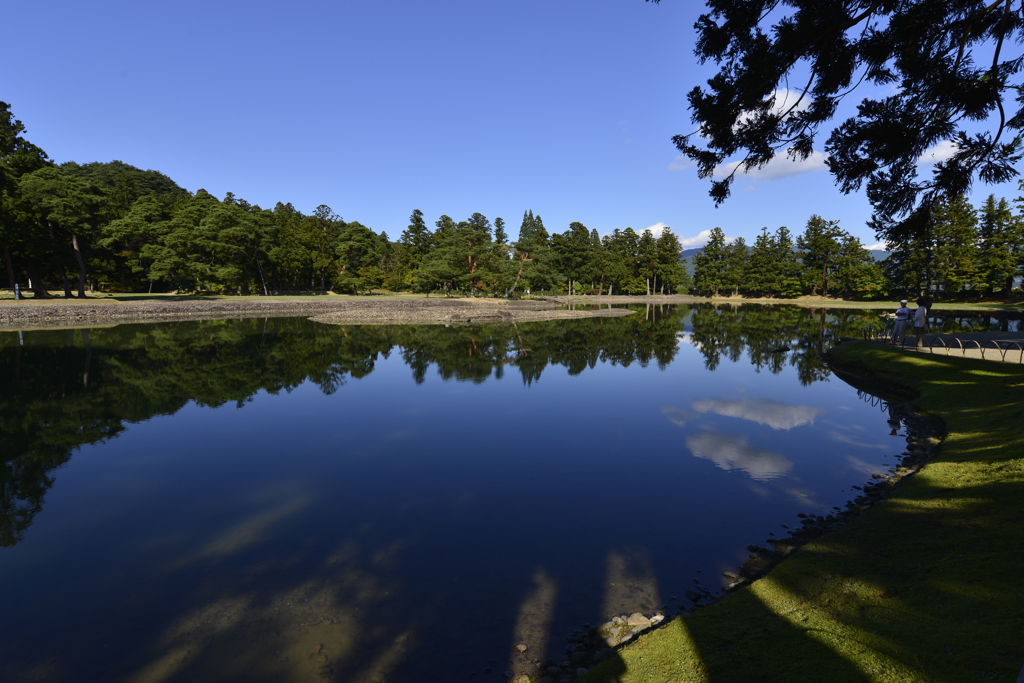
point(565, 107)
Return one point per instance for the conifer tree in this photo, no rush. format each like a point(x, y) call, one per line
point(955, 226)
point(533, 256)
point(709, 265)
point(787, 282)
point(761, 272)
point(669, 271)
point(736, 265)
point(819, 245)
point(1001, 245)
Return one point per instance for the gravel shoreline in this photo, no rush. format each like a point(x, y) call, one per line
point(56, 313)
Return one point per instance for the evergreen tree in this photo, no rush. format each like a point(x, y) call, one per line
point(358, 252)
point(533, 256)
point(669, 272)
point(909, 268)
point(856, 273)
point(574, 256)
point(955, 226)
point(710, 265)
point(68, 208)
point(647, 260)
point(1001, 245)
point(787, 282)
point(818, 246)
point(599, 263)
point(762, 270)
point(735, 265)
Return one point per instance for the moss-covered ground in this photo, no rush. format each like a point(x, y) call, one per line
point(926, 586)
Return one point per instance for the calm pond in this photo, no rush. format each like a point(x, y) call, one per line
point(280, 500)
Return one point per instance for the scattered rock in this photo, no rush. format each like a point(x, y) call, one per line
point(637, 619)
point(522, 647)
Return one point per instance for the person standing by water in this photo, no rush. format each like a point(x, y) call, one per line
point(902, 320)
point(921, 319)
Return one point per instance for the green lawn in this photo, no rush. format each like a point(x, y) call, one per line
point(923, 587)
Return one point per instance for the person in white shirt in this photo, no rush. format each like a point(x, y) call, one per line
point(902, 321)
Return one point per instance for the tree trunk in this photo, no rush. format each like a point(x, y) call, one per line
point(81, 265)
point(67, 284)
point(263, 278)
point(522, 264)
point(600, 287)
point(36, 284)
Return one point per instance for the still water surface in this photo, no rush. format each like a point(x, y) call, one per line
point(279, 500)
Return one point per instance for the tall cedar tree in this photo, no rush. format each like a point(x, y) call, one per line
point(819, 246)
point(709, 265)
point(1002, 245)
point(956, 245)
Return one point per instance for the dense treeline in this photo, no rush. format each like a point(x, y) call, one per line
point(959, 250)
point(953, 249)
point(113, 226)
point(824, 259)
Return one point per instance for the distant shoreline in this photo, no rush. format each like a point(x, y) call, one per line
point(63, 313)
point(372, 310)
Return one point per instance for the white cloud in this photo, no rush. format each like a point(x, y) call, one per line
point(939, 152)
point(760, 410)
point(656, 229)
point(734, 452)
point(782, 166)
point(878, 246)
point(700, 240)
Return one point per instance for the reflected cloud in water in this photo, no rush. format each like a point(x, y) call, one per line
point(679, 416)
point(734, 452)
point(760, 410)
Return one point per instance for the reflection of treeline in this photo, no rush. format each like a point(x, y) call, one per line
point(774, 336)
point(62, 389)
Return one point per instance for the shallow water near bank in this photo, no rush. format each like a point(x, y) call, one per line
point(274, 499)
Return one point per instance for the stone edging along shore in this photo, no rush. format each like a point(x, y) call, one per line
point(30, 314)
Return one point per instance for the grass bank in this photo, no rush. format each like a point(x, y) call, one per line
point(925, 586)
point(889, 305)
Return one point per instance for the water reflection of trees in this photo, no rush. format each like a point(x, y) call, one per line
point(62, 389)
point(774, 336)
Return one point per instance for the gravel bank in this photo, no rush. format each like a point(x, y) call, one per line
point(28, 314)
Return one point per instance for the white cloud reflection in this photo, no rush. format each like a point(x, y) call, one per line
point(732, 452)
point(760, 410)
